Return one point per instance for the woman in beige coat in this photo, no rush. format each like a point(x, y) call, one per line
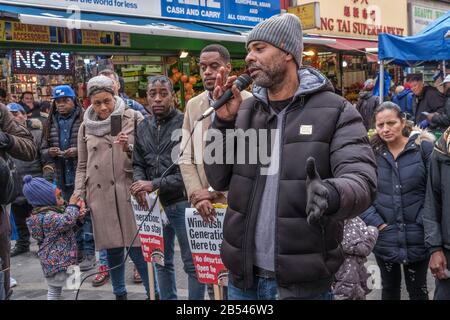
point(104, 176)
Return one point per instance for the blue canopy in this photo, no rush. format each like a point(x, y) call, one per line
point(428, 45)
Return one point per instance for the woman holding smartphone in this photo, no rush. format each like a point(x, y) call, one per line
point(104, 176)
point(402, 157)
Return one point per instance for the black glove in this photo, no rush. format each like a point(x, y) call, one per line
point(322, 196)
point(317, 194)
point(5, 140)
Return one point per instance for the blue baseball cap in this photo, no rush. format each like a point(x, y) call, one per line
point(62, 92)
point(15, 107)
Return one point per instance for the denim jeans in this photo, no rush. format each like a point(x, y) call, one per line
point(263, 289)
point(85, 237)
point(103, 258)
point(66, 192)
point(166, 275)
point(115, 257)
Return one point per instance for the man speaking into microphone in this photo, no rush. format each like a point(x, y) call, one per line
point(284, 223)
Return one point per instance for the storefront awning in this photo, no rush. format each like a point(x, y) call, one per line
point(128, 24)
point(114, 23)
point(352, 45)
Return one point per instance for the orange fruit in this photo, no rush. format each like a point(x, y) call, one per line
point(192, 80)
point(184, 78)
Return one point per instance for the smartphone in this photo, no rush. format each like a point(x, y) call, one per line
point(116, 124)
point(425, 113)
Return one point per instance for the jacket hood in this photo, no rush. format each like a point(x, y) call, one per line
point(403, 93)
point(421, 135)
point(443, 144)
point(34, 124)
point(311, 81)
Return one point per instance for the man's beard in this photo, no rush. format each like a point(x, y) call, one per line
point(266, 77)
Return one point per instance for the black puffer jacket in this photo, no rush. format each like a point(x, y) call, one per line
point(152, 155)
point(431, 100)
point(436, 218)
point(400, 201)
point(51, 139)
point(366, 105)
point(334, 135)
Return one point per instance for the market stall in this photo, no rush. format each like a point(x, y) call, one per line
point(430, 44)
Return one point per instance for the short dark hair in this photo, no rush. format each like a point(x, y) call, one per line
point(3, 93)
point(221, 50)
point(414, 77)
point(108, 73)
point(164, 80)
point(46, 106)
point(24, 93)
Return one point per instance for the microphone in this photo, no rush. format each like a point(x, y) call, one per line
point(242, 82)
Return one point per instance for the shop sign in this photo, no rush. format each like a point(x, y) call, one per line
point(363, 19)
point(235, 12)
point(42, 62)
point(423, 16)
point(19, 32)
point(309, 15)
point(2, 30)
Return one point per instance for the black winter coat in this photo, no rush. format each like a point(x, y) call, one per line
point(400, 201)
point(317, 123)
point(366, 105)
point(152, 155)
point(431, 100)
point(437, 205)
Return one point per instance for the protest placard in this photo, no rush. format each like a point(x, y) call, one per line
point(151, 233)
point(205, 241)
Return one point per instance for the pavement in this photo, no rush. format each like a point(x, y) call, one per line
point(27, 271)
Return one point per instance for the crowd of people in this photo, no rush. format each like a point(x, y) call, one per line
point(299, 226)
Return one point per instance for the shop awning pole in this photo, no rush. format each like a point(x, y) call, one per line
point(381, 81)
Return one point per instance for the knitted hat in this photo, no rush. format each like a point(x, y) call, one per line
point(282, 31)
point(100, 84)
point(39, 192)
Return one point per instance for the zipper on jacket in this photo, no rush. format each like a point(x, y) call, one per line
point(157, 148)
point(244, 247)
point(280, 159)
point(302, 104)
